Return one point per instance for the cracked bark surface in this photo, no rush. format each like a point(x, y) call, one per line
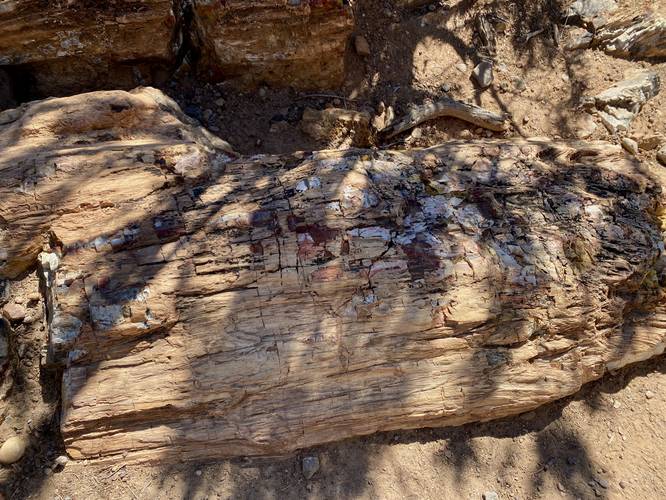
point(204, 305)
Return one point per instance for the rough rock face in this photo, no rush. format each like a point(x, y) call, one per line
point(57, 47)
point(299, 43)
point(205, 306)
point(618, 105)
point(54, 48)
point(634, 36)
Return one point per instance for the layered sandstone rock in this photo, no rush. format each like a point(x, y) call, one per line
point(204, 305)
point(297, 42)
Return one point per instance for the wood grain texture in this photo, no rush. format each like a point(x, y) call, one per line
point(206, 306)
point(634, 36)
point(300, 44)
point(446, 107)
point(69, 46)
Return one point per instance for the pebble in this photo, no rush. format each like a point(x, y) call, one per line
point(12, 450)
point(61, 461)
point(465, 134)
point(623, 485)
point(649, 394)
point(483, 74)
point(310, 466)
point(14, 313)
point(446, 87)
point(490, 495)
point(649, 142)
point(198, 472)
point(361, 45)
point(220, 102)
point(462, 67)
point(630, 145)
point(661, 156)
point(601, 482)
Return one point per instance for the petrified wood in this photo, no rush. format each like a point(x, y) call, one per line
point(634, 36)
point(68, 46)
point(298, 43)
point(203, 305)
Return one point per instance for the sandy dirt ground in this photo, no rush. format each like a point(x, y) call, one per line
point(608, 441)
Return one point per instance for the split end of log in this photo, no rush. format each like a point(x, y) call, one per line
point(446, 107)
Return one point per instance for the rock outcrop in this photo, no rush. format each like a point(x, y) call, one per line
point(634, 36)
point(56, 48)
point(204, 305)
point(66, 47)
point(618, 105)
point(298, 43)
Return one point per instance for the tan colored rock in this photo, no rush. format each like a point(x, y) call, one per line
point(633, 36)
point(630, 146)
point(334, 125)
point(650, 141)
point(12, 450)
point(298, 43)
point(14, 313)
point(210, 306)
point(70, 46)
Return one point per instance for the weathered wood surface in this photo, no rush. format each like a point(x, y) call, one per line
point(634, 36)
point(300, 43)
point(205, 306)
point(56, 48)
point(74, 45)
point(446, 107)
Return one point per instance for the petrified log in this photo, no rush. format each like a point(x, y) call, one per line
point(634, 37)
point(300, 43)
point(68, 46)
point(56, 48)
point(205, 306)
point(470, 113)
